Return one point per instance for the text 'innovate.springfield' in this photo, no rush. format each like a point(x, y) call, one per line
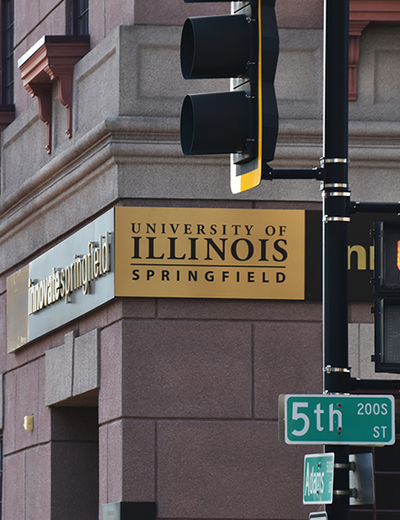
point(62, 282)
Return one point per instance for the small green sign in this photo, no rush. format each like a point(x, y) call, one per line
point(339, 419)
point(318, 478)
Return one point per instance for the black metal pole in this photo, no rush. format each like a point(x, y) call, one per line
point(336, 210)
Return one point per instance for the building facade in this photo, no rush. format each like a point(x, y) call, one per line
point(129, 379)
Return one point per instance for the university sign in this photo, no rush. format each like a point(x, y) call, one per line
point(209, 253)
point(158, 252)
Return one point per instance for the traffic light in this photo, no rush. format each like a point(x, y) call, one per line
point(387, 296)
point(243, 122)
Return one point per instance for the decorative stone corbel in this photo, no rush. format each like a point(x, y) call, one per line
point(362, 12)
point(356, 28)
point(43, 91)
point(52, 59)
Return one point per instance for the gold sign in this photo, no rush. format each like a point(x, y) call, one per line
point(210, 253)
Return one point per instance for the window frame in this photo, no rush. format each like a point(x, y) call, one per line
point(7, 40)
point(77, 17)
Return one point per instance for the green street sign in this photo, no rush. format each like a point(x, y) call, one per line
point(337, 419)
point(318, 478)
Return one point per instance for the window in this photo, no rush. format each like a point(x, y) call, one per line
point(77, 17)
point(8, 52)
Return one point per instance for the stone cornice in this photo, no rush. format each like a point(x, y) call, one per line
point(108, 141)
point(115, 153)
point(155, 140)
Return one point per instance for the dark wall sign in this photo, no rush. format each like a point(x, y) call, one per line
point(360, 255)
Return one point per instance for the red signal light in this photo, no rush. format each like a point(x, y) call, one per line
point(398, 255)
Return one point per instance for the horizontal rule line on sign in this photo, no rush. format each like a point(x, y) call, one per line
point(194, 266)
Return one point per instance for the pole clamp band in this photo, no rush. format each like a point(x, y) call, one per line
point(345, 492)
point(336, 193)
point(327, 392)
point(335, 219)
point(336, 185)
point(351, 466)
point(330, 369)
point(324, 160)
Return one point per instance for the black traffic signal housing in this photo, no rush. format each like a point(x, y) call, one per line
point(387, 296)
point(243, 122)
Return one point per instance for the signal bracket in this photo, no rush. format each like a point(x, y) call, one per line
point(271, 173)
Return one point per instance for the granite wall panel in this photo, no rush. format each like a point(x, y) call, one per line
point(3, 328)
point(129, 469)
point(228, 469)
point(14, 494)
point(10, 387)
point(59, 371)
point(158, 12)
point(239, 310)
point(187, 369)
point(288, 360)
point(37, 482)
point(27, 403)
point(86, 376)
point(25, 19)
point(110, 398)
